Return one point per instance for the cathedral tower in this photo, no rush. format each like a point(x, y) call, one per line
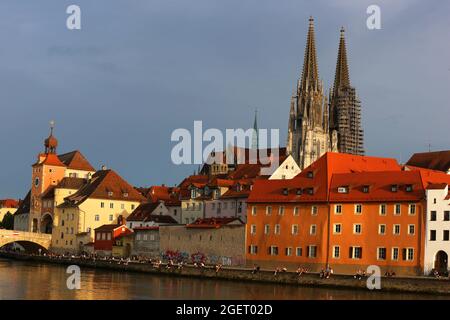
point(309, 135)
point(345, 107)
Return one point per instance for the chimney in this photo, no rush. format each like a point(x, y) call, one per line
point(103, 167)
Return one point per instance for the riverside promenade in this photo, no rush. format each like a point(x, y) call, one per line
point(424, 285)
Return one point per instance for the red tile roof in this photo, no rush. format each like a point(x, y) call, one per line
point(76, 161)
point(50, 159)
point(379, 186)
point(105, 184)
point(437, 160)
point(9, 203)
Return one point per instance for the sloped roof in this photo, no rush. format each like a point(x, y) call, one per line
point(9, 203)
point(50, 159)
point(437, 160)
point(76, 161)
point(24, 206)
point(100, 186)
point(71, 183)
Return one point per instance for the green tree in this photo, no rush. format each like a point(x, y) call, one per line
point(8, 221)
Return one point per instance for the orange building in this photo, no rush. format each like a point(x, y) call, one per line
point(345, 211)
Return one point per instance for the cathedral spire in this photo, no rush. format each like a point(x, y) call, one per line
point(341, 78)
point(255, 136)
point(310, 73)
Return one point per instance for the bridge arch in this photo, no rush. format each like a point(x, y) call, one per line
point(30, 241)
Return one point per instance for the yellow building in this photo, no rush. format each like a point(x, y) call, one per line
point(102, 200)
point(8, 205)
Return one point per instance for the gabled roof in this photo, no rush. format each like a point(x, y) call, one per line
point(143, 211)
point(71, 183)
point(76, 161)
point(24, 206)
point(437, 160)
point(214, 223)
point(105, 184)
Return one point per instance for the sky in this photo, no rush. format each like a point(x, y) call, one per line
point(139, 69)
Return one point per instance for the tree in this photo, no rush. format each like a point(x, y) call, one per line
point(8, 221)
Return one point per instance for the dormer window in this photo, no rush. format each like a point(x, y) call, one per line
point(110, 193)
point(365, 189)
point(217, 193)
point(285, 191)
point(394, 188)
point(298, 192)
point(409, 188)
point(125, 194)
point(310, 174)
point(310, 191)
point(194, 193)
point(343, 189)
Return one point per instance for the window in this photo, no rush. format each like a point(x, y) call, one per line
point(411, 229)
point(337, 228)
point(382, 229)
point(314, 210)
point(295, 229)
point(266, 229)
point(381, 254)
point(343, 189)
point(357, 228)
point(71, 230)
point(394, 188)
point(288, 251)
point(97, 217)
point(338, 209)
point(310, 174)
point(312, 251)
point(108, 236)
point(273, 250)
point(396, 229)
point(285, 191)
point(382, 209)
point(268, 210)
point(336, 252)
point(280, 210)
point(313, 230)
point(253, 229)
point(296, 211)
point(277, 229)
point(122, 206)
point(412, 209)
point(111, 217)
point(213, 206)
point(355, 252)
point(254, 211)
point(409, 188)
point(433, 216)
point(408, 254)
point(102, 204)
point(111, 205)
point(432, 235)
point(358, 208)
point(103, 236)
point(132, 207)
point(298, 251)
point(252, 249)
point(36, 182)
point(398, 209)
point(394, 254)
point(446, 235)
point(447, 215)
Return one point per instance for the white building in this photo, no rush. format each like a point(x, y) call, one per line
point(437, 243)
point(288, 169)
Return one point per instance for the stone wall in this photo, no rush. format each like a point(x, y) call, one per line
point(225, 245)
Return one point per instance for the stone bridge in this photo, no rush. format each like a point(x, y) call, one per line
point(29, 240)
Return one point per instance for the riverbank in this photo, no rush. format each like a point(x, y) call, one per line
point(422, 285)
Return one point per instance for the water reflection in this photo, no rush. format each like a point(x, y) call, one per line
point(22, 280)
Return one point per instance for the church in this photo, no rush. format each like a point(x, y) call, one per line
point(320, 124)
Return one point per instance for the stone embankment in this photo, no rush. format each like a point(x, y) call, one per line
point(427, 285)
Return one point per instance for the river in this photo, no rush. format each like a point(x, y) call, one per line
point(31, 280)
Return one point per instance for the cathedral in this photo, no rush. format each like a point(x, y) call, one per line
point(318, 124)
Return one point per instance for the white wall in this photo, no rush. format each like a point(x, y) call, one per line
point(432, 247)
